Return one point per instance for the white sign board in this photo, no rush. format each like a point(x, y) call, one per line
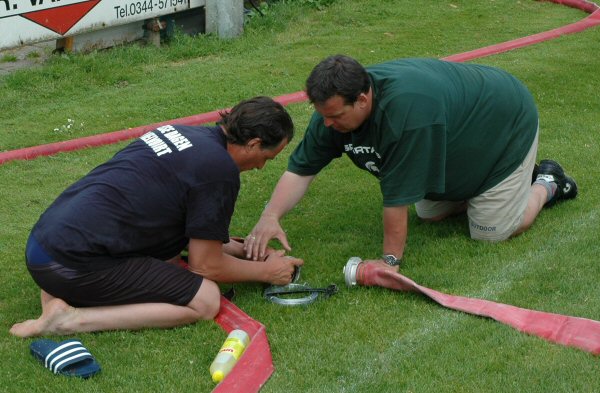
point(28, 21)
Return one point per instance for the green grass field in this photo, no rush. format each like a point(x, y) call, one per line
point(363, 339)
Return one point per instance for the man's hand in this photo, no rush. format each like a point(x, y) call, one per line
point(288, 192)
point(267, 228)
point(236, 248)
point(281, 269)
point(271, 251)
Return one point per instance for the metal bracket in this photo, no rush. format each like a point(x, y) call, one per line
point(274, 293)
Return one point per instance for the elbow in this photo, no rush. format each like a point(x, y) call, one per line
point(208, 272)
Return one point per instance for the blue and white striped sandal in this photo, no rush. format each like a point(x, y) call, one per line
point(68, 357)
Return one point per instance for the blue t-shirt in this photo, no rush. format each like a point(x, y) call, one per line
point(170, 185)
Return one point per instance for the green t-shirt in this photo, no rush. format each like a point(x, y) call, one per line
point(438, 130)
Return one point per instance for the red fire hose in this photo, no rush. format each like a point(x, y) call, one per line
point(561, 329)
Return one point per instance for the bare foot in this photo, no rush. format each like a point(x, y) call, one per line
point(55, 314)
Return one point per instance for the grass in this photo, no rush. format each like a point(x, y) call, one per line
point(365, 339)
point(8, 58)
point(33, 55)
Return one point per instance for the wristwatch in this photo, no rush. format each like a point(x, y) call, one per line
point(392, 260)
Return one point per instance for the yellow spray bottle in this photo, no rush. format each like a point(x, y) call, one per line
point(232, 349)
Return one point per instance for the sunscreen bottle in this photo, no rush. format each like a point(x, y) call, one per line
point(232, 349)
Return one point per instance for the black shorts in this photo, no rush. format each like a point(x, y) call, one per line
point(137, 280)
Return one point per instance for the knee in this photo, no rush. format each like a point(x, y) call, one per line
point(207, 300)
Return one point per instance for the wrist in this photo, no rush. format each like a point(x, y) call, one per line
point(391, 259)
point(235, 247)
point(270, 214)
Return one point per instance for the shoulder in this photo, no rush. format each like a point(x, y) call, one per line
point(212, 134)
point(397, 68)
point(205, 151)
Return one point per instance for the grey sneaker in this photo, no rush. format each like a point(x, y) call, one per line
point(551, 171)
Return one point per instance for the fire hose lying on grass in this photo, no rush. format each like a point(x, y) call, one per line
point(561, 329)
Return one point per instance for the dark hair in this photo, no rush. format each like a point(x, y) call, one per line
point(337, 75)
point(258, 117)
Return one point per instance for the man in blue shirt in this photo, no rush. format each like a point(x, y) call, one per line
point(105, 244)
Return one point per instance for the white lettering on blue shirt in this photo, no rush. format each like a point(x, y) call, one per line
point(178, 140)
point(156, 144)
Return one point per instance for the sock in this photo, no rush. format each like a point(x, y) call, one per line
point(550, 187)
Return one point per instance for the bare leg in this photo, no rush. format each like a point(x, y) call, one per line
point(45, 297)
point(60, 318)
point(535, 203)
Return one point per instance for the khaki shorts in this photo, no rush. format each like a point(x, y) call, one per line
point(497, 213)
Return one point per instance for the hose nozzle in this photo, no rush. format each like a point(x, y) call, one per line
point(350, 271)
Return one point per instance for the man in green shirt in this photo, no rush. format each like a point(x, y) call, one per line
point(447, 137)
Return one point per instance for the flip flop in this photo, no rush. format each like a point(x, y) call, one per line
point(68, 357)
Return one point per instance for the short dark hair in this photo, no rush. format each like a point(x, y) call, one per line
point(337, 75)
point(258, 117)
